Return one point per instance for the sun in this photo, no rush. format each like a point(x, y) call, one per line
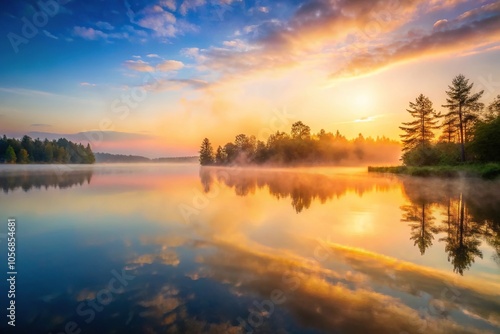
point(363, 101)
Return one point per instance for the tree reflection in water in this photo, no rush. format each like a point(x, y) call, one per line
point(469, 208)
point(471, 212)
point(302, 188)
point(54, 177)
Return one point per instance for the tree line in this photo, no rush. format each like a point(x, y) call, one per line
point(469, 131)
point(300, 146)
point(27, 150)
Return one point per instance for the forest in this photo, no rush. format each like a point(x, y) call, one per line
point(27, 151)
point(467, 132)
point(299, 147)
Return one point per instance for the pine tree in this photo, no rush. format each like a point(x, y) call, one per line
point(463, 106)
point(220, 156)
point(450, 130)
point(419, 133)
point(206, 153)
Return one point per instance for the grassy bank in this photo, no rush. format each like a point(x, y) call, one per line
point(486, 171)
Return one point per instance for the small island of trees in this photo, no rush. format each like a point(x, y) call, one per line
point(299, 147)
point(27, 150)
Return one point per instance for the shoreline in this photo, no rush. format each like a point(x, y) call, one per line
point(488, 171)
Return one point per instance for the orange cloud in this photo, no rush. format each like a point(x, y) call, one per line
point(470, 31)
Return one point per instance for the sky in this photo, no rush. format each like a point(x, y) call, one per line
point(156, 77)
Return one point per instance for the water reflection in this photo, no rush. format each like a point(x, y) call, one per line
point(343, 265)
point(56, 178)
point(354, 291)
point(459, 213)
point(470, 211)
point(301, 187)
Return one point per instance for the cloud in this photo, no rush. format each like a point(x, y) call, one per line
point(188, 5)
point(365, 119)
point(139, 65)
point(40, 125)
point(263, 9)
point(159, 20)
point(169, 65)
point(176, 84)
point(29, 92)
point(236, 43)
point(471, 31)
point(190, 52)
point(89, 33)
point(170, 4)
point(87, 84)
point(440, 24)
point(48, 34)
point(436, 5)
point(153, 55)
point(127, 32)
point(226, 2)
point(104, 25)
point(348, 37)
point(315, 26)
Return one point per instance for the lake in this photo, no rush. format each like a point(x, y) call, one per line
point(175, 248)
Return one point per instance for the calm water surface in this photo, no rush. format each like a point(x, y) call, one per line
point(179, 249)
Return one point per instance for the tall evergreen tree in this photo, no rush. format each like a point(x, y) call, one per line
point(220, 156)
point(462, 105)
point(419, 133)
point(206, 153)
point(450, 130)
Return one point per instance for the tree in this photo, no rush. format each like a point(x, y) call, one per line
point(28, 145)
point(450, 129)
point(90, 157)
point(23, 156)
point(486, 143)
point(10, 155)
point(300, 131)
point(419, 133)
point(462, 105)
point(48, 151)
point(231, 151)
point(60, 155)
point(245, 144)
point(206, 153)
point(220, 156)
point(493, 110)
point(261, 152)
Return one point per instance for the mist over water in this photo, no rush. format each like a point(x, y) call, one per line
point(268, 250)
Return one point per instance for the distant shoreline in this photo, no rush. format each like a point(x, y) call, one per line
point(121, 158)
